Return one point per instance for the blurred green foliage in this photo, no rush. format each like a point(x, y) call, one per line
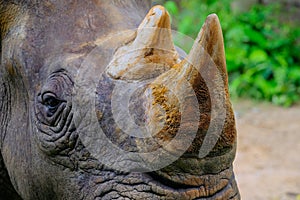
point(262, 51)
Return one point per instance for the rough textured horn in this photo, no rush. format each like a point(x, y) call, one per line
point(152, 44)
point(155, 25)
point(209, 45)
point(205, 70)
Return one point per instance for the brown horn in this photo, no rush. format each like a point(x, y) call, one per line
point(209, 45)
point(149, 33)
point(152, 45)
point(205, 70)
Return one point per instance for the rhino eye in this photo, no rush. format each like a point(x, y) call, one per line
point(51, 102)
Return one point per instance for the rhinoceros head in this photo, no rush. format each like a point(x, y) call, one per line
point(97, 103)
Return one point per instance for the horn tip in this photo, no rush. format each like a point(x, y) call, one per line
point(158, 12)
point(157, 17)
point(213, 18)
point(158, 9)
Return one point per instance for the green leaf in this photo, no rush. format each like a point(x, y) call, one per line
point(237, 33)
point(171, 7)
point(282, 100)
point(277, 42)
point(185, 25)
point(256, 37)
point(281, 60)
point(294, 73)
point(262, 49)
point(258, 55)
point(235, 57)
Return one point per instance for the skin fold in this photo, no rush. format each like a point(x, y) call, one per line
point(44, 153)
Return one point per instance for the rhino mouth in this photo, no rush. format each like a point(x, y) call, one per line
point(224, 188)
point(153, 186)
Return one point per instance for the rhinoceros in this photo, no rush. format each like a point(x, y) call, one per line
point(98, 103)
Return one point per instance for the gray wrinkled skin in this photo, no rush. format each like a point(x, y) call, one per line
point(43, 44)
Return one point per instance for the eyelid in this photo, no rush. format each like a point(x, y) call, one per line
point(48, 94)
point(51, 94)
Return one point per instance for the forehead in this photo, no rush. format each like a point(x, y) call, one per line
point(55, 29)
point(59, 23)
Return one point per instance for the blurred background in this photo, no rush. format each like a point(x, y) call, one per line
point(262, 44)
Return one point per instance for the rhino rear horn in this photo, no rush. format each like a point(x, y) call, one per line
point(207, 56)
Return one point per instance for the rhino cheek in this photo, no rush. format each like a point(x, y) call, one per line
point(56, 133)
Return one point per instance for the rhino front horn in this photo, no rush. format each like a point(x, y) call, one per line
point(152, 51)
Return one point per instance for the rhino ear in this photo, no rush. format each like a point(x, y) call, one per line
point(210, 45)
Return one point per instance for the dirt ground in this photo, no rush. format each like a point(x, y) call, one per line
point(267, 164)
